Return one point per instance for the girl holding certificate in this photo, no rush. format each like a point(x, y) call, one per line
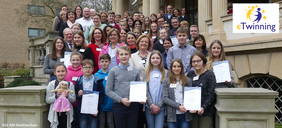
point(173, 92)
point(155, 74)
point(217, 54)
point(205, 79)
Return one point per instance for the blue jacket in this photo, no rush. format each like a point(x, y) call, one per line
point(108, 102)
point(97, 86)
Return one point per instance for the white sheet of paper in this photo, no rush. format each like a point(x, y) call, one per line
point(174, 40)
point(221, 71)
point(67, 62)
point(89, 104)
point(137, 91)
point(192, 98)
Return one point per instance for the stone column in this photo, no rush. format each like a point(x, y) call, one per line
point(120, 6)
point(219, 8)
point(126, 5)
point(146, 8)
point(32, 60)
point(114, 5)
point(154, 6)
point(204, 13)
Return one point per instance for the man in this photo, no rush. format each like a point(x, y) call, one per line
point(92, 12)
point(142, 17)
point(111, 19)
point(104, 17)
point(57, 18)
point(175, 26)
point(166, 26)
point(126, 14)
point(169, 14)
point(117, 18)
point(162, 12)
point(194, 32)
point(136, 16)
point(160, 22)
point(85, 21)
point(68, 36)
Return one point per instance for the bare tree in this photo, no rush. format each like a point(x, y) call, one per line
point(98, 5)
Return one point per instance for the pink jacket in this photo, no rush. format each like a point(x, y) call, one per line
point(105, 50)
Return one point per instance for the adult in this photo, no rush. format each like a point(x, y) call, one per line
point(85, 21)
point(131, 42)
point(107, 29)
point(137, 24)
point(168, 15)
point(217, 54)
point(200, 44)
point(92, 12)
point(63, 16)
point(146, 26)
point(167, 43)
point(130, 24)
point(126, 14)
point(142, 17)
point(75, 27)
point(136, 16)
point(57, 18)
point(194, 32)
point(166, 26)
point(175, 26)
point(68, 36)
point(158, 43)
point(70, 21)
point(56, 56)
point(153, 33)
point(176, 13)
point(78, 11)
point(117, 18)
point(111, 48)
point(98, 40)
point(162, 12)
point(97, 23)
point(183, 16)
point(153, 17)
point(205, 79)
point(111, 20)
point(123, 33)
point(104, 17)
point(160, 22)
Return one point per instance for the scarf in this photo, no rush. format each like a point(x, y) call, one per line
point(70, 23)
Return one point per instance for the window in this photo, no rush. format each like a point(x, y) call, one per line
point(34, 32)
point(36, 10)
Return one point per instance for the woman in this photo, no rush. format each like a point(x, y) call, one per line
point(137, 24)
point(97, 23)
point(63, 16)
point(175, 13)
point(56, 56)
point(153, 17)
point(205, 79)
point(70, 21)
point(137, 31)
point(98, 40)
point(75, 27)
point(158, 43)
point(200, 44)
point(78, 11)
point(173, 91)
point(153, 33)
point(111, 48)
point(123, 33)
point(130, 24)
point(131, 42)
point(107, 29)
point(183, 16)
point(167, 43)
point(146, 26)
point(217, 54)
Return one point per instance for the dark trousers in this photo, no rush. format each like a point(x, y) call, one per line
point(141, 117)
point(62, 118)
point(75, 122)
point(126, 117)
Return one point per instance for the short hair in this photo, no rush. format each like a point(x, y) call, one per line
point(111, 12)
point(203, 39)
point(164, 23)
point(71, 12)
point(87, 61)
point(103, 12)
point(141, 15)
point(194, 26)
point(182, 30)
point(97, 14)
point(63, 6)
point(66, 30)
point(161, 10)
point(63, 13)
point(201, 55)
point(75, 24)
point(184, 23)
point(122, 21)
point(127, 13)
point(139, 39)
point(175, 18)
point(92, 10)
point(118, 15)
point(169, 5)
point(76, 53)
point(160, 18)
point(111, 31)
point(105, 56)
point(125, 48)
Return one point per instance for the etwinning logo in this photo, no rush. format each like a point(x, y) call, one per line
point(255, 18)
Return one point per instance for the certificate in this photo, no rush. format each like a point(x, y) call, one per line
point(89, 104)
point(67, 62)
point(137, 91)
point(192, 98)
point(221, 71)
point(174, 40)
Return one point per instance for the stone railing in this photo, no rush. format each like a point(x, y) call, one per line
point(39, 48)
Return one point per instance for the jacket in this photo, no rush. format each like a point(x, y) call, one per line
point(105, 50)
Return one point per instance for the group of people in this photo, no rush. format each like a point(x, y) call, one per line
point(109, 51)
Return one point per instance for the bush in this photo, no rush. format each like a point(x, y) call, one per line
point(1, 81)
point(278, 125)
point(21, 82)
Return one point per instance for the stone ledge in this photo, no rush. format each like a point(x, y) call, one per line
point(24, 89)
point(243, 110)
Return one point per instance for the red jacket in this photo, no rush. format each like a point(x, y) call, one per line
point(96, 53)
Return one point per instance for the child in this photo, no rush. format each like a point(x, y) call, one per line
point(106, 107)
point(177, 115)
point(125, 112)
point(181, 50)
point(74, 72)
point(111, 19)
point(155, 74)
point(88, 82)
point(63, 119)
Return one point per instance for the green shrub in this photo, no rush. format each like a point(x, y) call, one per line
point(1, 81)
point(21, 71)
point(278, 125)
point(29, 82)
point(22, 82)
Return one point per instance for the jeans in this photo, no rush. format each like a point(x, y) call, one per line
point(106, 115)
point(180, 122)
point(88, 119)
point(155, 120)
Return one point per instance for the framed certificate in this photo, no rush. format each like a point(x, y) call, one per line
point(137, 91)
point(89, 103)
point(192, 98)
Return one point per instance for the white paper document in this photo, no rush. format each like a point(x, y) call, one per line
point(67, 62)
point(137, 91)
point(89, 104)
point(221, 71)
point(174, 40)
point(192, 98)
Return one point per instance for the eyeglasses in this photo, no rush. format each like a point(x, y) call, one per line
point(113, 35)
point(165, 26)
point(87, 68)
point(59, 42)
point(196, 61)
point(97, 33)
point(175, 22)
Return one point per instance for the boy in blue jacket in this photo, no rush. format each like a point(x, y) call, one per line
point(107, 106)
point(88, 82)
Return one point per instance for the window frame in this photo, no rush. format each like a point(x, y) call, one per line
point(37, 8)
point(38, 29)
